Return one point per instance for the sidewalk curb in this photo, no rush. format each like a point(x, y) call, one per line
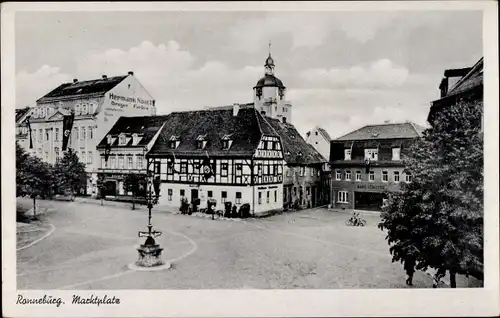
point(52, 229)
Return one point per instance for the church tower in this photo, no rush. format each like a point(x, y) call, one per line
point(269, 94)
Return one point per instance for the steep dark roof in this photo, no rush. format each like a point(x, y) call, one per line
point(21, 112)
point(145, 126)
point(472, 79)
point(385, 131)
point(325, 134)
point(246, 129)
point(294, 144)
point(91, 87)
point(457, 72)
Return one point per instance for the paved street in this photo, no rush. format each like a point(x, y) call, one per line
point(91, 247)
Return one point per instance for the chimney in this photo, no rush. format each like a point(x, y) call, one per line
point(130, 73)
point(236, 109)
point(75, 80)
point(387, 121)
point(104, 77)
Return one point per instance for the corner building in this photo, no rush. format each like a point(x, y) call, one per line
point(97, 105)
point(359, 185)
point(242, 150)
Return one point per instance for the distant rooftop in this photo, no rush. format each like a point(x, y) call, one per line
point(385, 131)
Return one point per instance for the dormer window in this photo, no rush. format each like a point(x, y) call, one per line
point(110, 139)
point(135, 139)
point(226, 142)
point(201, 141)
point(122, 140)
point(174, 142)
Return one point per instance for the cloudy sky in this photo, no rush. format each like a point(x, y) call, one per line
point(342, 69)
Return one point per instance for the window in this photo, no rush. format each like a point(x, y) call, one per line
point(275, 195)
point(103, 162)
point(396, 153)
point(385, 176)
point(338, 175)
point(40, 136)
point(89, 157)
point(183, 192)
point(139, 162)
point(223, 196)
point(371, 154)
point(343, 197)
point(184, 167)
point(347, 154)
point(130, 162)
point(312, 172)
point(348, 175)
point(267, 197)
point(223, 169)
point(270, 145)
point(396, 176)
point(170, 166)
point(170, 193)
point(316, 133)
point(358, 175)
point(302, 171)
point(122, 140)
point(91, 133)
point(239, 169)
point(77, 110)
point(225, 144)
point(210, 194)
point(83, 136)
point(173, 144)
point(371, 176)
point(238, 198)
point(46, 156)
point(157, 167)
point(47, 134)
point(84, 109)
point(408, 178)
point(121, 162)
point(260, 198)
point(75, 130)
point(57, 155)
point(56, 136)
point(113, 162)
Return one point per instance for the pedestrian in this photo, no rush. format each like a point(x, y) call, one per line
point(409, 267)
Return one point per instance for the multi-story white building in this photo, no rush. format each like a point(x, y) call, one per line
point(320, 140)
point(97, 105)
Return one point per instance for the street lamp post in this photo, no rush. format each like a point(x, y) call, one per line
point(150, 252)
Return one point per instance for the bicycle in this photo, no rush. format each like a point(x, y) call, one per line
point(355, 220)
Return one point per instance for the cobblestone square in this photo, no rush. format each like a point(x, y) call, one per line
point(92, 245)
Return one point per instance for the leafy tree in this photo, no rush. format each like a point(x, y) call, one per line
point(38, 179)
point(133, 183)
point(71, 172)
point(437, 219)
point(21, 176)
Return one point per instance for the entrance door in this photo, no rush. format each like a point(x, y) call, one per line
point(194, 199)
point(110, 188)
point(368, 201)
point(313, 196)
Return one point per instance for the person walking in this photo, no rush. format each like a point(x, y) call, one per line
point(409, 267)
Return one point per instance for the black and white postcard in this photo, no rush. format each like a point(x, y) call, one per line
point(250, 159)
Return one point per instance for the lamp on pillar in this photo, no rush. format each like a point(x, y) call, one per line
point(150, 252)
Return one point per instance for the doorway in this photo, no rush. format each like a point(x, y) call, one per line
point(194, 199)
point(110, 188)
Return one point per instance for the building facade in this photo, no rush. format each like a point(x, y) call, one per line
point(22, 133)
point(127, 143)
point(97, 105)
point(320, 140)
point(459, 84)
point(368, 162)
point(229, 155)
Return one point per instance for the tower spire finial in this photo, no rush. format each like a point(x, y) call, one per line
point(269, 47)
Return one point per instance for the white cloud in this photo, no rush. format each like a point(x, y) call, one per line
point(379, 74)
point(31, 86)
point(340, 100)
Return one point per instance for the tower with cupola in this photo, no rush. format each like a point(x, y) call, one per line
point(269, 94)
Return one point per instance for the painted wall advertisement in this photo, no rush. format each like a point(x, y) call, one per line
point(118, 105)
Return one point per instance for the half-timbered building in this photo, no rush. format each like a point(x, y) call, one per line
point(229, 155)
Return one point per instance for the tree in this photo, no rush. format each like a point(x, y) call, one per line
point(38, 179)
point(21, 176)
point(71, 172)
point(437, 219)
point(132, 183)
